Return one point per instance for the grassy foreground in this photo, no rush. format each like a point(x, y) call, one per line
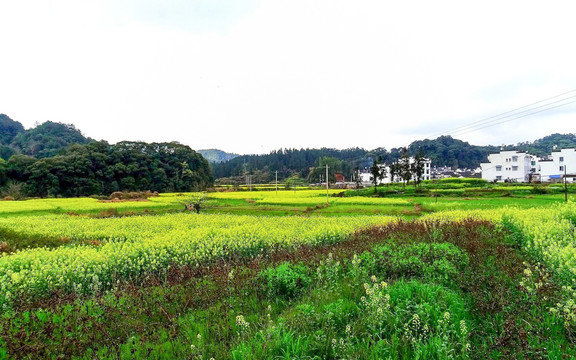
point(455, 279)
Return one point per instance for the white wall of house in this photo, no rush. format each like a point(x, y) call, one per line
point(545, 168)
point(516, 166)
point(507, 166)
point(553, 168)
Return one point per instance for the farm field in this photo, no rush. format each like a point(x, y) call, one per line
point(292, 274)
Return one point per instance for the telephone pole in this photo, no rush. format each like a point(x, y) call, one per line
point(327, 184)
point(276, 182)
point(565, 186)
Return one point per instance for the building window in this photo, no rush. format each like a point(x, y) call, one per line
point(514, 158)
point(514, 168)
point(533, 163)
point(498, 167)
point(561, 168)
point(498, 177)
point(561, 158)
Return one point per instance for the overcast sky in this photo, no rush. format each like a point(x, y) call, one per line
point(254, 76)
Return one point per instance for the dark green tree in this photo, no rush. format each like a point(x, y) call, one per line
point(18, 167)
point(334, 166)
point(404, 168)
point(357, 178)
point(3, 172)
point(377, 173)
point(393, 171)
point(417, 167)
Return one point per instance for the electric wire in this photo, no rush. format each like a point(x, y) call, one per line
point(512, 112)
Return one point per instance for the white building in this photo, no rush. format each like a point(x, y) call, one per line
point(558, 163)
point(366, 177)
point(510, 166)
point(522, 167)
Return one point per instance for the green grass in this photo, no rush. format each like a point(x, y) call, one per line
point(414, 206)
point(451, 291)
point(301, 202)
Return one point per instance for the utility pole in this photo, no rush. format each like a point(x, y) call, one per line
point(565, 186)
point(245, 167)
point(327, 184)
point(276, 182)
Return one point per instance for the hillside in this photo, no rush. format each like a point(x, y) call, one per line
point(216, 156)
point(9, 129)
point(55, 159)
point(45, 140)
point(288, 162)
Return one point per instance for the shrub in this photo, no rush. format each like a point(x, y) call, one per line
point(286, 280)
point(134, 195)
point(434, 261)
point(13, 191)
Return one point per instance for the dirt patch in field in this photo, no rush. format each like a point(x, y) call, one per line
point(122, 200)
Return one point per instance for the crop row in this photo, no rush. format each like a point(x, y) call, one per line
point(81, 204)
point(132, 246)
point(126, 248)
point(546, 233)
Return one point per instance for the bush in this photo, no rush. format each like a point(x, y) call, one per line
point(134, 195)
point(13, 191)
point(286, 280)
point(441, 262)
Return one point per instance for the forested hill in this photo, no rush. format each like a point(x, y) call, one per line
point(44, 140)
point(55, 159)
point(546, 145)
point(287, 162)
point(99, 168)
point(443, 151)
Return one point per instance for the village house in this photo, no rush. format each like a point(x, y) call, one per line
point(508, 166)
point(513, 166)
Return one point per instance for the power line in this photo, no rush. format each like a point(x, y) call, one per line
point(507, 113)
point(507, 119)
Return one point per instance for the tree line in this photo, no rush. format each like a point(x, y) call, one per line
point(288, 163)
point(99, 168)
point(442, 151)
point(404, 169)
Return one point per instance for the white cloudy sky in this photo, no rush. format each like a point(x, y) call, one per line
point(252, 76)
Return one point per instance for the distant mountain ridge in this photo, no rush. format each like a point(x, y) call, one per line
point(216, 156)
